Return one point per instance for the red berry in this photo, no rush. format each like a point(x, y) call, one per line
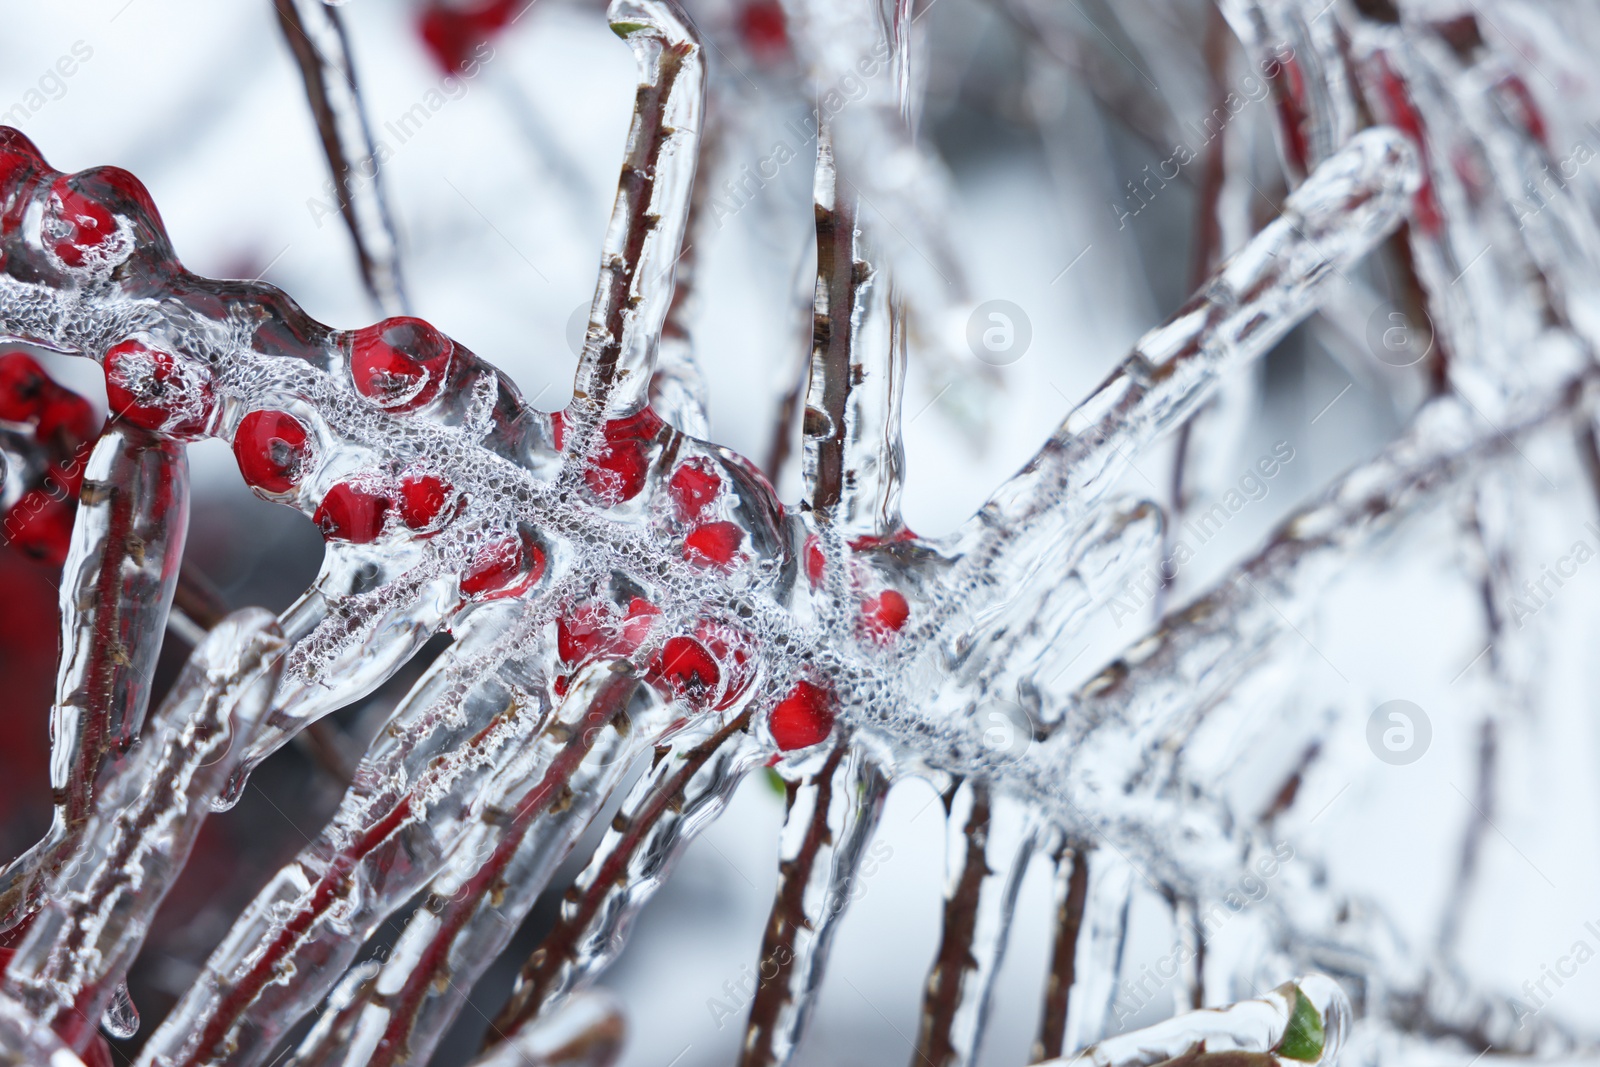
point(582, 632)
point(762, 26)
point(399, 364)
point(22, 387)
point(618, 473)
point(693, 486)
point(452, 34)
point(885, 613)
point(814, 559)
point(40, 525)
point(803, 718)
point(271, 448)
point(734, 651)
point(503, 568)
point(423, 499)
point(618, 469)
point(636, 625)
point(713, 542)
point(17, 156)
point(686, 669)
point(594, 629)
point(350, 513)
point(77, 225)
point(150, 388)
point(66, 420)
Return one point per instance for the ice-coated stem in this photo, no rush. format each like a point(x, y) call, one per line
point(315, 34)
point(1097, 950)
point(100, 903)
point(416, 797)
point(587, 1030)
point(832, 815)
point(1297, 48)
point(1150, 699)
point(987, 849)
point(1350, 203)
point(1300, 1023)
point(476, 903)
point(854, 462)
point(650, 215)
point(116, 590)
point(678, 388)
point(688, 786)
point(1071, 898)
point(24, 1043)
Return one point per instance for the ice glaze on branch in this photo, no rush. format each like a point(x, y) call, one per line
point(117, 585)
point(557, 546)
point(315, 34)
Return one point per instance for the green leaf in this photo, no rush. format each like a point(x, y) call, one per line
point(1302, 1038)
point(775, 780)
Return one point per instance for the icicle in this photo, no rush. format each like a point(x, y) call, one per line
point(854, 462)
point(1199, 650)
point(1300, 1022)
point(987, 850)
point(1071, 898)
point(68, 972)
point(390, 630)
point(586, 1030)
point(530, 821)
point(1023, 638)
point(652, 207)
point(1298, 51)
point(1351, 202)
point(1087, 961)
point(845, 45)
point(24, 1043)
point(677, 388)
point(315, 34)
point(416, 798)
point(121, 1017)
point(831, 817)
point(116, 589)
point(688, 786)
